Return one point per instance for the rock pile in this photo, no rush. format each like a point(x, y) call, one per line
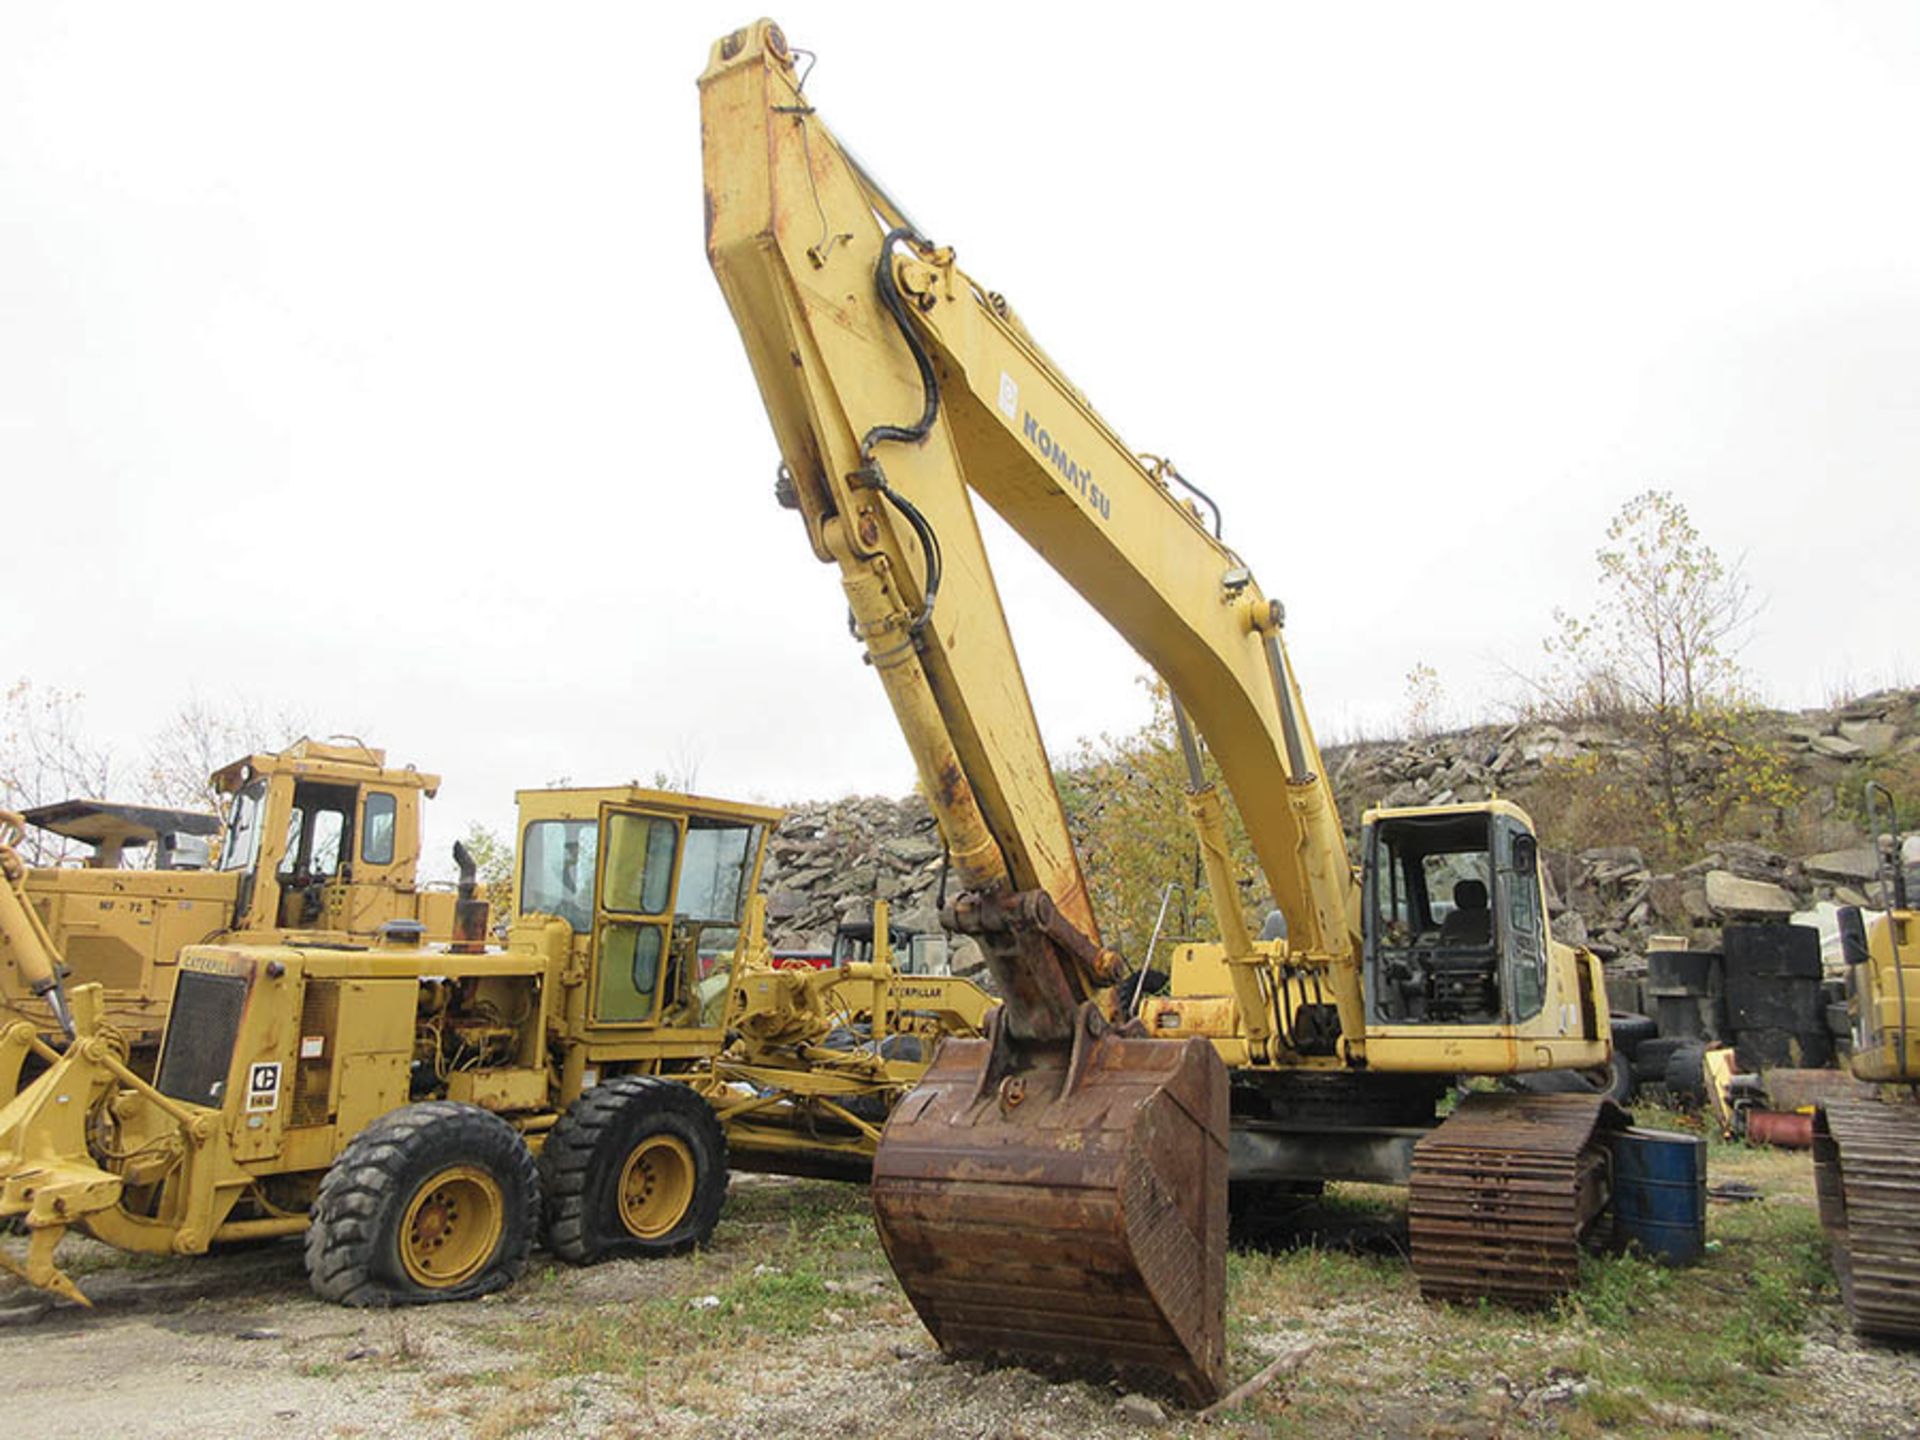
point(830, 860)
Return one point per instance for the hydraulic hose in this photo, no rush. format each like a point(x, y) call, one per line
point(914, 434)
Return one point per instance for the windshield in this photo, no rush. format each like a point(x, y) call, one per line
point(1432, 882)
point(243, 830)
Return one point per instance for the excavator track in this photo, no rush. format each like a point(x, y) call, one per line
point(1503, 1193)
point(1866, 1158)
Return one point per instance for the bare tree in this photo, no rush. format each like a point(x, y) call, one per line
point(46, 756)
point(1658, 652)
point(682, 770)
point(199, 739)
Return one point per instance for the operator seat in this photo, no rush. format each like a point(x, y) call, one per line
point(1471, 922)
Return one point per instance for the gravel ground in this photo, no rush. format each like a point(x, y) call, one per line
point(233, 1345)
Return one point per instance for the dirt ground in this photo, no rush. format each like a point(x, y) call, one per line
point(791, 1326)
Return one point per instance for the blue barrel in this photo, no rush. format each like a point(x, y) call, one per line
point(1660, 1193)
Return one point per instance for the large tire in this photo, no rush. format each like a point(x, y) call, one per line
point(1650, 1060)
point(435, 1201)
point(637, 1166)
point(1630, 1030)
point(1686, 1077)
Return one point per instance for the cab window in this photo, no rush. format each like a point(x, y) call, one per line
point(376, 835)
point(243, 830)
point(556, 870)
point(638, 881)
point(639, 864)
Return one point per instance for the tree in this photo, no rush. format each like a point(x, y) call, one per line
point(1426, 701)
point(199, 739)
point(682, 770)
point(1673, 608)
point(45, 756)
point(1658, 654)
point(493, 858)
point(1125, 800)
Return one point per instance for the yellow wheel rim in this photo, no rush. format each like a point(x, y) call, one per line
point(656, 1186)
point(452, 1227)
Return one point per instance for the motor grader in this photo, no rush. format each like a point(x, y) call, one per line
point(1056, 1192)
point(323, 843)
point(1867, 1152)
point(422, 1113)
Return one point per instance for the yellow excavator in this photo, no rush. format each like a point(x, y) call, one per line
point(1056, 1192)
point(1867, 1153)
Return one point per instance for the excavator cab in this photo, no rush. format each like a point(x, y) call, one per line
point(1452, 918)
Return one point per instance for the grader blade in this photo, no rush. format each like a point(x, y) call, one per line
point(1068, 1212)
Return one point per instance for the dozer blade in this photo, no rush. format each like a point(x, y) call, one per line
point(1069, 1213)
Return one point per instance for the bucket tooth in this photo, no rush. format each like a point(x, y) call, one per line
point(1069, 1213)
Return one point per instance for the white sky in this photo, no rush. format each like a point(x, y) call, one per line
point(362, 359)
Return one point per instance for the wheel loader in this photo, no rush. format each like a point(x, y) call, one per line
point(1056, 1192)
point(424, 1113)
point(323, 842)
point(1867, 1153)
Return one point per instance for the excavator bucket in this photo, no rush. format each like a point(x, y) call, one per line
point(1069, 1213)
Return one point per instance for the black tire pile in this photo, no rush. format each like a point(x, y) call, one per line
point(1763, 993)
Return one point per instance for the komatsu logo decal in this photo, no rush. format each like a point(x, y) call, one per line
point(1051, 450)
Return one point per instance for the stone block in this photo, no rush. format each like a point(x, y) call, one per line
point(1728, 894)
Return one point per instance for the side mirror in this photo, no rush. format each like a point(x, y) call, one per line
point(1853, 936)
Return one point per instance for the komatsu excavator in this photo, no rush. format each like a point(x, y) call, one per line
point(1056, 1192)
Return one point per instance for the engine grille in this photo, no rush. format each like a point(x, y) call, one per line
point(201, 1030)
point(313, 1077)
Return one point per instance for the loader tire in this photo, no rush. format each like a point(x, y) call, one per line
point(435, 1201)
point(637, 1166)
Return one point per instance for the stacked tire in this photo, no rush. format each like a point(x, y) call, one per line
point(1775, 1002)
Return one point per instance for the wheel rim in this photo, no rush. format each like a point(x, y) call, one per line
point(656, 1186)
point(452, 1227)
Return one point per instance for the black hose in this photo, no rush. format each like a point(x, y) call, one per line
point(914, 434)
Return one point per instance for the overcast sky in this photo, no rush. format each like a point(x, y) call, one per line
point(362, 359)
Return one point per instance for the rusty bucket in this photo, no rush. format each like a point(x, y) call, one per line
point(1068, 1210)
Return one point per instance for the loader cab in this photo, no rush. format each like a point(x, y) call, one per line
point(1453, 917)
point(654, 886)
point(322, 837)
